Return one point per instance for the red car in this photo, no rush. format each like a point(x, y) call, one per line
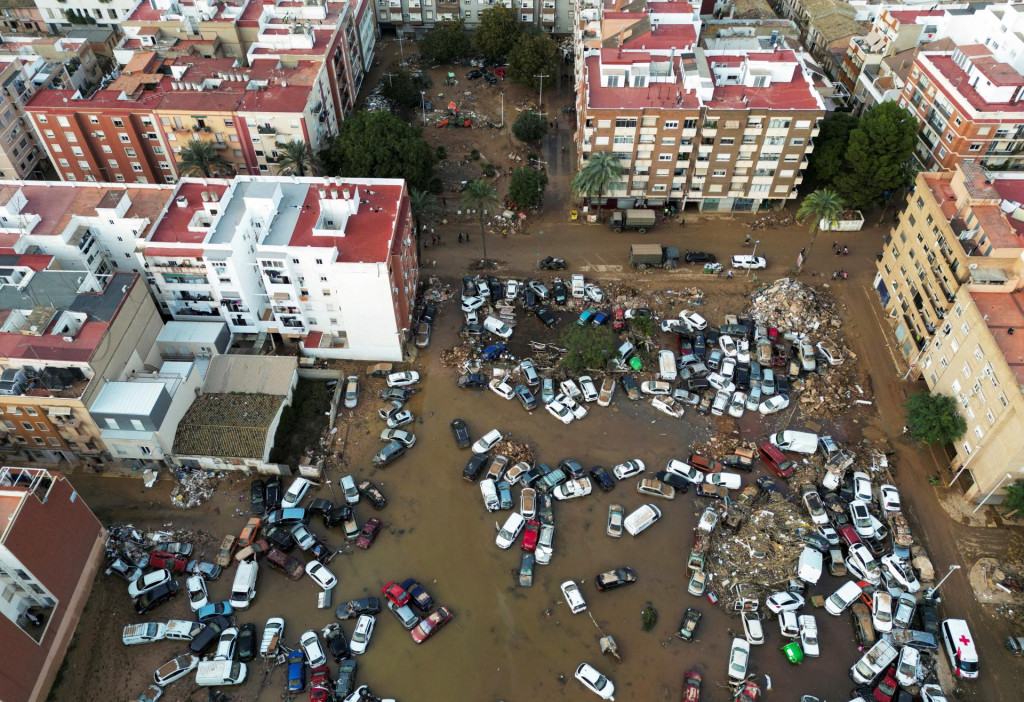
point(429, 626)
point(170, 561)
point(395, 593)
point(618, 319)
point(691, 686)
point(530, 535)
point(368, 533)
point(320, 684)
point(886, 689)
point(848, 534)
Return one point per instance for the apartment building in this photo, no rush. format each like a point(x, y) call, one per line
point(718, 130)
point(133, 129)
point(58, 14)
point(892, 32)
point(56, 63)
point(21, 17)
point(51, 546)
point(411, 18)
point(64, 334)
point(330, 261)
point(20, 154)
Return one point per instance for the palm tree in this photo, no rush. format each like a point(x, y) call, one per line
point(296, 158)
point(600, 172)
point(201, 159)
point(424, 208)
point(481, 196)
point(823, 203)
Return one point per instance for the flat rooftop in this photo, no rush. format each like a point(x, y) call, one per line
point(56, 203)
point(963, 93)
point(1004, 314)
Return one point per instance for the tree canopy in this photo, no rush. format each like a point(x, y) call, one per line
point(530, 127)
point(402, 87)
point(481, 196)
point(826, 160)
point(526, 188)
point(934, 418)
point(379, 145)
point(446, 41)
point(296, 158)
point(878, 156)
point(823, 203)
point(202, 159)
point(534, 56)
point(599, 172)
point(589, 348)
point(497, 32)
point(1014, 500)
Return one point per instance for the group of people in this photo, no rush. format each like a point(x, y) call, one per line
point(463, 236)
point(837, 249)
point(839, 275)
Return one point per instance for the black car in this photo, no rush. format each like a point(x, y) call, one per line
point(602, 478)
point(497, 289)
point(529, 299)
point(258, 497)
point(272, 498)
point(322, 552)
point(320, 506)
point(473, 469)
point(697, 384)
point(928, 615)
point(553, 264)
point(781, 384)
point(815, 541)
point(700, 346)
point(572, 468)
point(677, 481)
point(246, 643)
point(149, 601)
point(545, 316)
point(372, 494)
point(614, 578)
point(742, 377)
point(208, 636)
point(560, 292)
point(545, 508)
point(526, 397)
point(469, 287)
point(490, 78)
point(472, 380)
point(337, 643)
point(767, 485)
point(420, 597)
point(429, 312)
point(461, 432)
point(353, 608)
point(337, 515)
point(399, 394)
point(474, 74)
point(346, 680)
point(688, 627)
point(282, 538)
point(629, 386)
point(700, 257)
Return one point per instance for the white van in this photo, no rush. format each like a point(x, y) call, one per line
point(642, 518)
point(244, 587)
point(497, 327)
point(135, 634)
point(808, 567)
point(796, 441)
point(577, 286)
point(960, 649)
point(210, 673)
point(843, 598)
point(667, 365)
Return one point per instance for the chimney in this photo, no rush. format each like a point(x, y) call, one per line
point(181, 201)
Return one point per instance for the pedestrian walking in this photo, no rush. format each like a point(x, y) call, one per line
point(719, 272)
point(467, 236)
point(460, 237)
point(835, 245)
point(846, 251)
point(729, 276)
point(444, 203)
point(838, 251)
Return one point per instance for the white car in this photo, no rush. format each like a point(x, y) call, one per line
point(320, 575)
point(361, 635)
point(573, 596)
point(570, 389)
point(578, 410)
point(862, 564)
point(685, 470)
point(693, 320)
point(557, 410)
point(753, 630)
point(728, 368)
point(349, 489)
point(226, 645)
point(721, 402)
point(508, 533)
point(862, 487)
point(485, 442)
point(591, 679)
point(655, 387)
point(588, 388)
point(668, 406)
point(629, 469)
point(147, 582)
point(471, 304)
point(906, 666)
point(932, 693)
point(708, 520)
point(593, 293)
point(861, 518)
point(737, 404)
point(889, 498)
point(728, 346)
point(405, 438)
point(742, 351)
point(788, 625)
point(502, 389)
point(899, 571)
point(403, 379)
point(731, 481)
point(739, 656)
point(544, 544)
point(497, 327)
point(848, 593)
point(809, 635)
point(754, 399)
point(296, 491)
point(197, 596)
point(775, 403)
point(784, 602)
point(720, 382)
point(881, 611)
point(580, 487)
point(472, 317)
point(747, 261)
point(607, 393)
point(512, 288)
point(674, 326)
point(830, 352)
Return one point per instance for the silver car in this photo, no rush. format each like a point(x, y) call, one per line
point(351, 391)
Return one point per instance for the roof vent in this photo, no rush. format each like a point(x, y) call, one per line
point(181, 201)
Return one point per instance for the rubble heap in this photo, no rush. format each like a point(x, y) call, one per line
point(792, 306)
point(515, 451)
point(194, 487)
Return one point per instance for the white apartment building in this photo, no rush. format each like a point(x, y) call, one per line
point(103, 13)
point(410, 18)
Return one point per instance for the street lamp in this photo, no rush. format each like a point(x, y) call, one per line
point(992, 491)
point(423, 105)
point(753, 257)
point(930, 592)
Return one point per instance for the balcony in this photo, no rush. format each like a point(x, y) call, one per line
point(266, 129)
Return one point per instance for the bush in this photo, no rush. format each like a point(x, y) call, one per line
point(489, 170)
point(529, 127)
point(589, 348)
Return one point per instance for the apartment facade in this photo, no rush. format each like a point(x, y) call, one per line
point(330, 261)
point(58, 14)
point(717, 130)
point(21, 17)
point(51, 547)
point(892, 31)
point(411, 18)
point(20, 153)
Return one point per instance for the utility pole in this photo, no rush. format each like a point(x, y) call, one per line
point(502, 108)
point(401, 48)
point(389, 74)
point(540, 95)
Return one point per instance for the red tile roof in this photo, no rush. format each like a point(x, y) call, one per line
point(1004, 312)
point(57, 203)
point(963, 94)
point(915, 16)
point(174, 224)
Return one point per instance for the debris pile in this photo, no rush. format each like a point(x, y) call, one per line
point(792, 306)
point(515, 451)
point(194, 487)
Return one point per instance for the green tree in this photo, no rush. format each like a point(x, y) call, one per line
point(448, 40)
point(600, 172)
point(296, 158)
point(588, 348)
point(529, 127)
point(399, 86)
point(497, 32)
point(379, 145)
point(830, 148)
point(424, 208)
point(534, 56)
point(819, 205)
point(202, 159)
point(526, 189)
point(1014, 500)
point(481, 196)
point(933, 418)
point(878, 157)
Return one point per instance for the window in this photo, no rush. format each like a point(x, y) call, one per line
point(63, 121)
point(54, 441)
point(119, 123)
point(1003, 401)
point(966, 369)
point(965, 328)
point(672, 124)
point(665, 157)
point(955, 387)
point(137, 425)
point(125, 139)
point(27, 426)
point(31, 412)
point(977, 432)
point(39, 441)
point(41, 426)
point(625, 122)
point(719, 173)
point(974, 147)
point(687, 123)
point(145, 450)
